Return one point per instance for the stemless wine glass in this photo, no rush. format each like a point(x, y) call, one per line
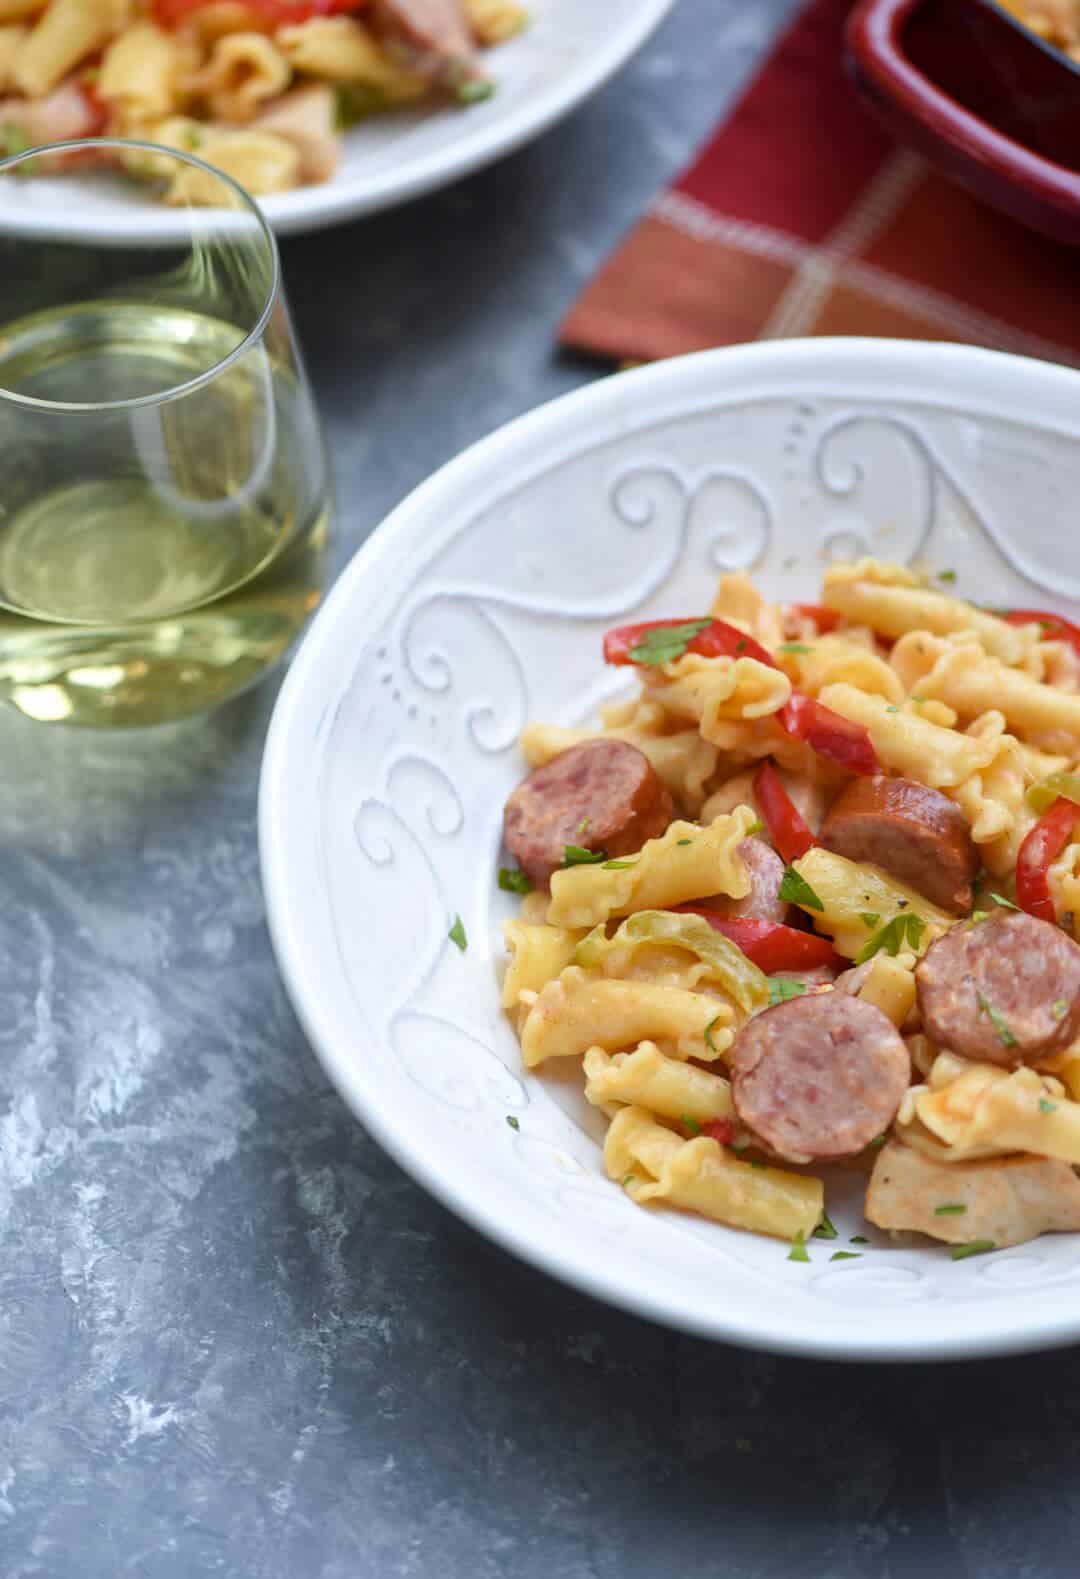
point(164, 493)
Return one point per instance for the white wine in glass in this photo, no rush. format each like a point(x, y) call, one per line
point(164, 493)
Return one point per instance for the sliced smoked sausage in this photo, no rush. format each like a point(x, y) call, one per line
point(434, 33)
point(912, 832)
point(819, 1077)
point(766, 869)
point(601, 795)
point(1006, 991)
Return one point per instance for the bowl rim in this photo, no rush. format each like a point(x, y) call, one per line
point(929, 373)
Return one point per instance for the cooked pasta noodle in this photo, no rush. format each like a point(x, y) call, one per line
point(63, 35)
point(645, 1078)
point(140, 71)
point(848, 891)
point(653, 1164)
point(687, 863)
point(11, 37)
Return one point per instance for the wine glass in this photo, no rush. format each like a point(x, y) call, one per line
point(164, 489)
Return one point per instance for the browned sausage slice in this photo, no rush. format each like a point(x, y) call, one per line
point(819, 1077)
point(913, 832)
point(766, 869)
point(601, 795)
point(1006, 991)
point(434, 33)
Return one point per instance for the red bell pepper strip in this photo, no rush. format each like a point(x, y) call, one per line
point(829, 734)
point(721, 1129)
point(1055, 626)
point(262, 15)
point(825, 619)
point(1042, 846)
point(770, 945)
point(717, 639)
point(824, 731)
point(787, 829)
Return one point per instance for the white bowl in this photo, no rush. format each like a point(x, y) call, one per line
point(569, 50)
point(480, 604)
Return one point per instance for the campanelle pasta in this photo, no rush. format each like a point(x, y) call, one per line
point(259, 88)
point(854, 935)
point(687, 863)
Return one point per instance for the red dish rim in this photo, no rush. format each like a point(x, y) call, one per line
point(1034, 189)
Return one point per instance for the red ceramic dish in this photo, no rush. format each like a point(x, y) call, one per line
point(984, 99)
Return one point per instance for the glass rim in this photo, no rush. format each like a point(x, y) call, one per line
point(251, 338)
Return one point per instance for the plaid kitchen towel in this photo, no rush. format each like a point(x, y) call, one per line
point(802, 217)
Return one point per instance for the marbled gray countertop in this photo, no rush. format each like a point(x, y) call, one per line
point(234, 1339)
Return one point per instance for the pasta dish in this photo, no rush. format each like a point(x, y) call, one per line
point(1058, 21)
point(812, 896)
point(259, 88)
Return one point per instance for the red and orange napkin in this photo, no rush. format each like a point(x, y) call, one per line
point(802, 217)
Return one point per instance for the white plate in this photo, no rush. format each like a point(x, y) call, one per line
point(479, 604)
point(569, 51)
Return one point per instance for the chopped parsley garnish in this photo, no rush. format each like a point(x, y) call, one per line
point(582, 828)
point(13, 140)
point(1006, 904)
point(977, 916)
point(903, 929)
point(859, 1239)
point(1046, 1106)
point(919, 699)
point(781, 990)
point(825, 1229)
point(844, 1255)
point(512, 1121)
point(667, 643)
point(878, 1140)
point(740, 646)
point(948, 576)
point(456, 934)
point(684, 841)
point(353, 101)
point(755, 827)
point(1000, 1024)
point(892, 708)
point(798, 1249)
point(709, 1043)
point(1059, 1008)
point(755, 1162)
point(794, 646)
point(474, 90)
point(576, 855)
point(974, 1247)
point(691, 1124)
point(619, 866)
point(950, 1209)
point(627, 1180)
point(869, 918)
point(797, 891)
point(514, 881)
